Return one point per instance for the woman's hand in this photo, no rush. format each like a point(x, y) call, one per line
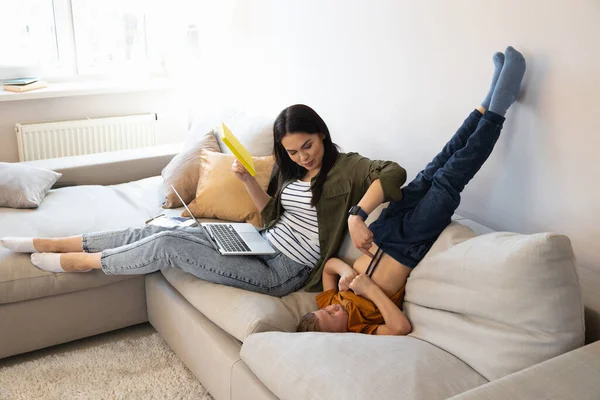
point(361, 285)
point(345, 279)
point(361, 235)
point(240, 171)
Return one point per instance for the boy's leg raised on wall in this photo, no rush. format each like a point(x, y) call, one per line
point(434, 212)
point(418, 187)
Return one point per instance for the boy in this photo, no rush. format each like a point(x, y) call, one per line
point(367, 297)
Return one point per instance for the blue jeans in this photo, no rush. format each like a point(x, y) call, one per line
point(407, 229)
point(151, 248)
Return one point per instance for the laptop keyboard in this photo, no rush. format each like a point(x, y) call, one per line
point(229, 239)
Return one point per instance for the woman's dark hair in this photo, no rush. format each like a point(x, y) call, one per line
point(300, 118)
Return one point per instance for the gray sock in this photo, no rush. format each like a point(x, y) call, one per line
point(508, 86)
point(498, 63)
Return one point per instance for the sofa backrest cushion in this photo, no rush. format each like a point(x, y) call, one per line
point(500, 302)
point(241, 312)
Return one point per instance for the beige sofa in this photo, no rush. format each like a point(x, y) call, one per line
point(232, 340)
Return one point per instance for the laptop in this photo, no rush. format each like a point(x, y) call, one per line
point(232, 239)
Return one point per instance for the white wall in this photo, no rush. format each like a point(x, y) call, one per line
point(393, 79)
point(172, 114)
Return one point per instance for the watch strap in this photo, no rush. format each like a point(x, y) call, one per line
point(356, 210)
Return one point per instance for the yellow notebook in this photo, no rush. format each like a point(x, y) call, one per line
point(237, 149)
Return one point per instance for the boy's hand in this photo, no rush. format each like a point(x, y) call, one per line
point(344, 282)
point(240, 171)
point(361, 285)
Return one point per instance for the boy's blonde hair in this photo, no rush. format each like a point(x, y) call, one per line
point(308, 323)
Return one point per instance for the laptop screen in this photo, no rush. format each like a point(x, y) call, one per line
point(186, 207)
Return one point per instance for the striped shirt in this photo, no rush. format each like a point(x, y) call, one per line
point(296, 234)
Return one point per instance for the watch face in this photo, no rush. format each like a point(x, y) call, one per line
point(353, 210)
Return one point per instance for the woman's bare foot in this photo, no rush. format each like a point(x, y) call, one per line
point(71, 244)
point(80, 262)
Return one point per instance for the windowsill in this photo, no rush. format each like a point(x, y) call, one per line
point(69, 89)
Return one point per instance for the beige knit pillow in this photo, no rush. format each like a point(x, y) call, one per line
point(220, 194)
point(183, 171)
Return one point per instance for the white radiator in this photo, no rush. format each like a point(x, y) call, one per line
point(72, 138)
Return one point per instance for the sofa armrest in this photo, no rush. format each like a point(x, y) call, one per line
point(110, 168)
point(573, 375)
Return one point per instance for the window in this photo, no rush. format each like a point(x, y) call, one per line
point(28, 33)
point(110, 36)
point(65, 38)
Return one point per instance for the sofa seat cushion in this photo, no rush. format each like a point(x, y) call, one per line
point(501, 302)
point(240, 312)
point(66, 212)
point(355, 366)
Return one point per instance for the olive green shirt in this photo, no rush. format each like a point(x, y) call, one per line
point(346, 184)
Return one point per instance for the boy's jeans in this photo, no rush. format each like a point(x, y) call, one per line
point(151, 248)
point(407, 228)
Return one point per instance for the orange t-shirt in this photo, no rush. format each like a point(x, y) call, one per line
point(363, 314)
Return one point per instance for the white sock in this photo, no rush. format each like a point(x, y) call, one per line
point(50, 262)
point(47, 261)
point(19, 244)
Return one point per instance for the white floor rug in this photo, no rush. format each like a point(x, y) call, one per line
point(136, 365)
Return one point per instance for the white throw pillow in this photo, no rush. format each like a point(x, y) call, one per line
point(501, 302)
point(255, 132)
point(24, 186)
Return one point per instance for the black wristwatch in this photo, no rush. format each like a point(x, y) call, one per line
point(356, 210)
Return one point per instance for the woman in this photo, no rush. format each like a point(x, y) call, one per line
point(367, 297)
point(305, 220)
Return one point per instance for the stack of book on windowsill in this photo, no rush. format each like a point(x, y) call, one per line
point(23, 84)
